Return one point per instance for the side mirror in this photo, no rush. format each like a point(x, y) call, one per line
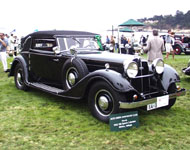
point(56, 50)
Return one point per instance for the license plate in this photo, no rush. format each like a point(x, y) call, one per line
point(161, 101)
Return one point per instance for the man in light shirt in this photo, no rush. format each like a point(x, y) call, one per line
point(169, 42)
point(3, 49)
point(155, 47)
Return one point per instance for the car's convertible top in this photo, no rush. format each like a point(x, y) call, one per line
point(51, 34)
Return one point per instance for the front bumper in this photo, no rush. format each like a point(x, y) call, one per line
point(127, 105)
point(186, 70)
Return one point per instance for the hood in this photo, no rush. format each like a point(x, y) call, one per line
point(107, 57)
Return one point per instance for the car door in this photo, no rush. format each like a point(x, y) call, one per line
point(44, 63)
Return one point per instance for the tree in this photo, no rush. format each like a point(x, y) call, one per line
point(179, 20)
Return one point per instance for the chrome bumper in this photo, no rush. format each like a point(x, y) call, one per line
point(186, 70)
point(127, 105)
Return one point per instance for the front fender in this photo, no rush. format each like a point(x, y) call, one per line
point(115, 79)
point(169, 76)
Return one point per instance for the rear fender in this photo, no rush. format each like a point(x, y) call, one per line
point(19, 60)
point(180, 45)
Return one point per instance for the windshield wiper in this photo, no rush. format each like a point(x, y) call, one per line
point(76, 40)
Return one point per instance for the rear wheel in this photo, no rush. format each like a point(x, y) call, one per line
point(103, 101)
point(19, 78)
point(187, 53)
point(177, 49)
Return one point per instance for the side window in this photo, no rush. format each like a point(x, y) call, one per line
point(61, 43)
point(43, 44)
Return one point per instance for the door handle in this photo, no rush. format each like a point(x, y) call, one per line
point(56, 59)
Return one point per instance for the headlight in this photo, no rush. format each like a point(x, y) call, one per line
point(130, 68)
point(158, 65)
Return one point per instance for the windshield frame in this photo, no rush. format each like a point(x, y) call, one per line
point(74, 37)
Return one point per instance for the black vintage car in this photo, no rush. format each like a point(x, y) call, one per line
point(186, 70)
point(180, 44)
point(69, 64)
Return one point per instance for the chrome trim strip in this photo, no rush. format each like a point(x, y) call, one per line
point(143, 76)
point(126, 105)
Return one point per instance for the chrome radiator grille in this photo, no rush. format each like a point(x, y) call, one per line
point(142, 82)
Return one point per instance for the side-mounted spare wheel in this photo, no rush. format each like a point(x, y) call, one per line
point(73, 70)
point(103, 101)
point(19, 78)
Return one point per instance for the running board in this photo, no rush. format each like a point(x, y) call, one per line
point(47, 88)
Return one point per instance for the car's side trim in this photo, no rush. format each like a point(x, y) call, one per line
point(127, 105)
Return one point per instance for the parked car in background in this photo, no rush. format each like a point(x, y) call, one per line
point(181, 45)
point(187, 69)
point(70, 64)
point(186, 44)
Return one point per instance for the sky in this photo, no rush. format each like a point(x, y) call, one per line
point(26, 16)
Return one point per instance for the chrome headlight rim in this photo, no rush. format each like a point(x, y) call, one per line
point(158, 66)
point(130, 68)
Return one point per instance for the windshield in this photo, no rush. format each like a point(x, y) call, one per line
point(79, 43)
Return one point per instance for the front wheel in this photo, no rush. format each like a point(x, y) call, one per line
point(103, 101)
point(19, 78)
point(172, 89)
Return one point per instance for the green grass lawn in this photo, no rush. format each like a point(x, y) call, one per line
point(37, 120)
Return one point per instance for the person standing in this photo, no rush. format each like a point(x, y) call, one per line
point(123, 44)
point(112, 42)
point(169, 41)
point(11, 43)
point(3, 48)
point(116, 48)
point(154, 47)
point(173, 43)
point(15, 46)
point(142, 40)
point(132, 40)
point(107, 40)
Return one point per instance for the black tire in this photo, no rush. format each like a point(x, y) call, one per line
point(19, 78)
point(74, 69)
point(172, 89)
point(177, 49)
point(187, 53)
point(103, 101)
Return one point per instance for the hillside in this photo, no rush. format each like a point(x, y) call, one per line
point(178, 21)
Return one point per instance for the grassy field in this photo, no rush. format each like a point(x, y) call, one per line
point(35, 120)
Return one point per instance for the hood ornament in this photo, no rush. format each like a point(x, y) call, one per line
point(73, 51)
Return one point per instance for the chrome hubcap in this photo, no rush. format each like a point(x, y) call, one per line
point(71, 79)
point(19, 79)
point(103, 102)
